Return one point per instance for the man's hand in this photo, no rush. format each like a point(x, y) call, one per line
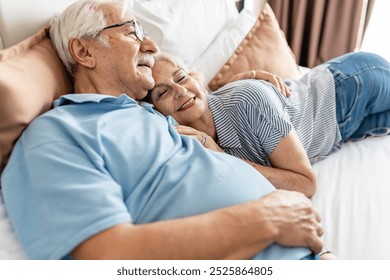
point(294, 218)
point(235, 232)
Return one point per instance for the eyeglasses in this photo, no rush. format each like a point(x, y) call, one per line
point(139, 31)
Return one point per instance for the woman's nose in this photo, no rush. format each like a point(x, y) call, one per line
point(179, 91)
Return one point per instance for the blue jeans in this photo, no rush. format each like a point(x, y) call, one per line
point(362, 82)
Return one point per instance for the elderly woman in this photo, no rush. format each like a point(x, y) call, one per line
point(280, 134)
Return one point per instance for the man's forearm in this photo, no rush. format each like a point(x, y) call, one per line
point(236, 232)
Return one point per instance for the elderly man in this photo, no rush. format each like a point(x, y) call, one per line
point(104, 176)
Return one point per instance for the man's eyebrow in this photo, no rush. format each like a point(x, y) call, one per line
point(128, 27)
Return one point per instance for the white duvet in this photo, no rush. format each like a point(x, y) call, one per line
point(353, 198)
point(10, 247)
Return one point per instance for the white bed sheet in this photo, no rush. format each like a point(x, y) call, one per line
point(353, 198)
point(10, 248)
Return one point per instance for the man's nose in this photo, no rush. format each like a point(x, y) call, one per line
point(148, 46)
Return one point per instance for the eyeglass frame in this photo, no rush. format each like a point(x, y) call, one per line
point(138, 29)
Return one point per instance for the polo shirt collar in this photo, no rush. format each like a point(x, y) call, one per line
point(94, 98)
point(227, 134)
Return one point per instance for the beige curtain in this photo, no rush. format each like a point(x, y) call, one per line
point(318, 30)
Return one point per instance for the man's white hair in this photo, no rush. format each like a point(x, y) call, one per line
point(82, 19)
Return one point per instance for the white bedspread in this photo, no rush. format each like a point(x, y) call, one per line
point(10, 248)
point(353, 198)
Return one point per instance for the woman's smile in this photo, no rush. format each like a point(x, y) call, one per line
point(188, 104)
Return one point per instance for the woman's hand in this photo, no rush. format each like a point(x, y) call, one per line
point(203, 138)
point(266, 76)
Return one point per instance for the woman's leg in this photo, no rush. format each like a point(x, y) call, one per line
point(362, 82)
point(373, 125)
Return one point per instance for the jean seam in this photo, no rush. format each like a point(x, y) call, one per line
point(340, 78)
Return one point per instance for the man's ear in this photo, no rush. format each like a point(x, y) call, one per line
point(80, 51)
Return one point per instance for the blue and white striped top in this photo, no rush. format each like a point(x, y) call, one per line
point(251, 116)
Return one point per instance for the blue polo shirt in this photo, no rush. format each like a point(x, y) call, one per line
point(96, 161)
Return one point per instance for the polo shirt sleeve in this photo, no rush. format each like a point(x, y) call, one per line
point(267, 116)
point(54, 211)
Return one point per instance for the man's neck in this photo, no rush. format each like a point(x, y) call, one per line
point(91, 84)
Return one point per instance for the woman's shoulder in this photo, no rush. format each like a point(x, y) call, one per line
point(249, 91)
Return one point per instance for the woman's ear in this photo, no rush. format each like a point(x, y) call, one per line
point(80, 49)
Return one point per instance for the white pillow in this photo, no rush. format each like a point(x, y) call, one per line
point(21, 19)
point(184, 28)
point(10, 247)
point(224, 45)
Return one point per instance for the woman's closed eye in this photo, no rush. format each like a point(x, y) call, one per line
point(161, 93)
point(181, 76)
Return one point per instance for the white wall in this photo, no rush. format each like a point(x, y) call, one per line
point(377, 37)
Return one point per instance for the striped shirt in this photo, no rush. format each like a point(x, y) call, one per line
point(251, 116)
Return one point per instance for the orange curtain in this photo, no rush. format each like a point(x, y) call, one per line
point(318, 30)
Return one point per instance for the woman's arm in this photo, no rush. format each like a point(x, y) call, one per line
point(291, 168)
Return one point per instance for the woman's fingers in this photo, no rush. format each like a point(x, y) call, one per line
point(186, 130)
point(276, 81)
point(192, 132)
